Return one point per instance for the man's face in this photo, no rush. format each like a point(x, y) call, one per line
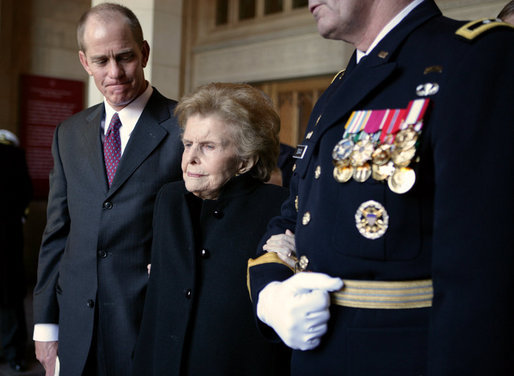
point(341, 19)
point(115, 61)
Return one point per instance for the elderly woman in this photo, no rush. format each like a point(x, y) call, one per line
point(198, 318)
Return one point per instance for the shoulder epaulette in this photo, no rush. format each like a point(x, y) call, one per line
point(338, 74)
point(473, 29)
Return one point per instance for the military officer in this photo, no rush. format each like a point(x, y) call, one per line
point(397, 229)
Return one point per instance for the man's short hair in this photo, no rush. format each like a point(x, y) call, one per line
point(106, 12)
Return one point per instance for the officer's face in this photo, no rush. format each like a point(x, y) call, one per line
point(115, 60)
point(341, 19)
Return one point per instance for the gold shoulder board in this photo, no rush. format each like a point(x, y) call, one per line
point(338, 74)
point(473, 29)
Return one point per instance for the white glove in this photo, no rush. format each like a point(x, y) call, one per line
point(297, 308)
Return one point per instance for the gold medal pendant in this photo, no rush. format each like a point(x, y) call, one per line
point(383, 172)
point(362, 173)
point(371, 219)
point(380, 144)
point(381, 155)
point(402, 180)
point(406, 138)
point(403, 157)
point(343, 173)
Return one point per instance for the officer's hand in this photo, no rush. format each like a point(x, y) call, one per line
point(46, 353)
point(297, 308)
point(284, 246)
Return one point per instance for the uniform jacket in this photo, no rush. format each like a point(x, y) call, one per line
point(97, 240)
point(15, 192)
point(453, 226)
point(198, 316)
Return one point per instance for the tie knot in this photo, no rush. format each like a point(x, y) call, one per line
point(115, 123)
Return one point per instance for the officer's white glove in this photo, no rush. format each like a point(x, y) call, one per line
point(297, 308)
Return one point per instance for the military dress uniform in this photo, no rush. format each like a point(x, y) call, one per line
point(403, 188)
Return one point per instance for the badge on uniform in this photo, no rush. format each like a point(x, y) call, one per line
point(300, 151)
point(371, 219)
point(380, 144)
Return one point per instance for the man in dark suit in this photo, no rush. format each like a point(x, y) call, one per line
point(16, 193)
point(92, 266)
point(401, 202)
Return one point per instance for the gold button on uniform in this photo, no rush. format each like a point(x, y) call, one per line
point(318, 119)
point(306, 218)
point(302, 264)
point(317, 172)
point(296, 203)
point(294, 167)
point(309, 135)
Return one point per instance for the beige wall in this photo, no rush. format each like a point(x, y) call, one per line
point(279, 48)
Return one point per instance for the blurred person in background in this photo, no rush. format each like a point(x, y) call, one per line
point(16, 193)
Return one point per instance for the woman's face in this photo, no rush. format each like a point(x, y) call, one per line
point(210, 158)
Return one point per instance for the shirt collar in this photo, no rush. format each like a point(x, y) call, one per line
point(387, 28)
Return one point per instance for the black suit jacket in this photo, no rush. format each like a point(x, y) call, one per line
point(198, 316)
point(97, 240)
point(453, 226)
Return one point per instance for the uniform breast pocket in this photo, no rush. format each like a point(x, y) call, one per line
point(375, 224)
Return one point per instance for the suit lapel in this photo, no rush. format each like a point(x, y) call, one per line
point(146, 136)
point(93, 144)
point(362, 80)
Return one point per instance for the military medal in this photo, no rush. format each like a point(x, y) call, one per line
point(371, 219)
point(401, 180)
point(343, 173)
point(380, 144)
point(362, 173)
point(403, 157)
point(381, 155)
point(382, 172)
point(406, 138)
point(342, 150)
point(361, 152)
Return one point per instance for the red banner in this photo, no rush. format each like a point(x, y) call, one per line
point(45, 102)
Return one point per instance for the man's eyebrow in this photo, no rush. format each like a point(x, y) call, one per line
point(103, 56)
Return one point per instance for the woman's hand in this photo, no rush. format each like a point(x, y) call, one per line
point(284, 246)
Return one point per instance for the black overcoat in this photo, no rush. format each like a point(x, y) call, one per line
point(453, 226)
point(198, 316)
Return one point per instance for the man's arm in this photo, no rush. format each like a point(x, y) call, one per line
point(46, 353)
point(471, 134)
point(46, 310)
